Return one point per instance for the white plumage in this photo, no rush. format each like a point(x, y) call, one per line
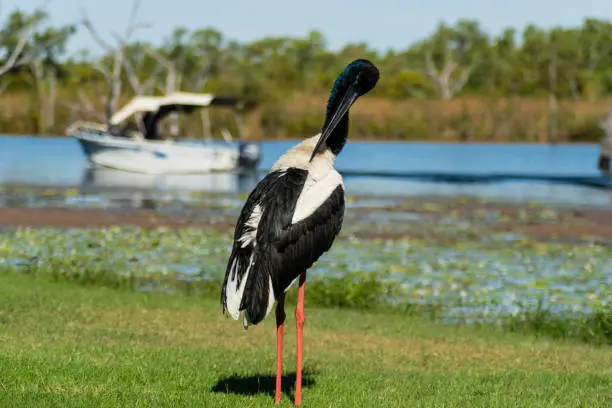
point(315, 192)
point(235, 292)
point(322, 179)
point(250, 236)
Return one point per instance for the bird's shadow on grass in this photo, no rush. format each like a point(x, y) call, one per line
point(261, 384)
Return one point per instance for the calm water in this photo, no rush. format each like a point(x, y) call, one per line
point(411, 169)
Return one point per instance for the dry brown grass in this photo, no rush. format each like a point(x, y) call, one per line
point(469, 118)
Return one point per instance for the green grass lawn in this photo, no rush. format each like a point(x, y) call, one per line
point(64, 345)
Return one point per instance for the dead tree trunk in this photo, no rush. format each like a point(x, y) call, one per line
point(173, 82)
point(16, 57)
point(553, 108)
point(140, 88)
point(113, 75)
point(201, 80)
point(450, 78)
point(46, 89)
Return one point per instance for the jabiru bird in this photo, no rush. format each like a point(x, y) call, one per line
point(291, 218)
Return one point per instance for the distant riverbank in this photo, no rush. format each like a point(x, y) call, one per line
point(468, 119)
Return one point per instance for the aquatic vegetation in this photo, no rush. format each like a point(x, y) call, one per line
point(489, 279)
point(595, 327)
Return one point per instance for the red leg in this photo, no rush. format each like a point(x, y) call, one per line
point(299, 322)
point(280, 319)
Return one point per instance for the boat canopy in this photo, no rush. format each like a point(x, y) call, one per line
point(176, 102)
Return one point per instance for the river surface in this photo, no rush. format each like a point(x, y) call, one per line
point(562, 174)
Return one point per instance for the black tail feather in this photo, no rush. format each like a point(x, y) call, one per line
point(256, 293)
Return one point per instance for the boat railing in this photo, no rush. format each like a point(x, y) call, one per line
point(96, 128)
point(227, 135)
point(90, 127)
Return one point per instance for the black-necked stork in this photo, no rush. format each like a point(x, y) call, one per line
point(291, 218)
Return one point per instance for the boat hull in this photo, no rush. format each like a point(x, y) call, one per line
point(156, 157)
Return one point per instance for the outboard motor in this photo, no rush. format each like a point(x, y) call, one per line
point(249, 155)
point(604, 163)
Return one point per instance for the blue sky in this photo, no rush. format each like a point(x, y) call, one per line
point(394, 25)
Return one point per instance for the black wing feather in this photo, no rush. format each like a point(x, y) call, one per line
point(242, 255)
point(283, 250)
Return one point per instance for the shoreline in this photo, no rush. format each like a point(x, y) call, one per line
point(534, 221)
point(361, 140)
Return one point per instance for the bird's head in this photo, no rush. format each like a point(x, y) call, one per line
point(361, 75)
point(358, 78)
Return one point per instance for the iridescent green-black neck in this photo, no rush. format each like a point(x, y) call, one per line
point(359, 76)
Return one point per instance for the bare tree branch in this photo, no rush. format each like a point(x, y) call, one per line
point(173, 84)
point(132, 77)
point(462, 79)
point(138, 87)
point(450, 79)
point(104, 71)
point(159, 58)
point(133, 23)
point(16, 57)
point(46, 89)
point(149, 84)
point(132, 26)
point(85, 105)
point(113, 76)
point(85, 101)
point(202, 78)
point(553, 107)
point(13, 59)
point(94, 34)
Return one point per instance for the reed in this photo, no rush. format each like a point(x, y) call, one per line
point(467, 119)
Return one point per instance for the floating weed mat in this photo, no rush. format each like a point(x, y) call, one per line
point(520, 284)
point(160, 259)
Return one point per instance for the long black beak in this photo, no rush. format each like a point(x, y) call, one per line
point(347, 100)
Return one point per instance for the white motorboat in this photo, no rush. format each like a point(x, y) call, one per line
point(144, 151)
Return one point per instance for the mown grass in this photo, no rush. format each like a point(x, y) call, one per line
point(64, 345)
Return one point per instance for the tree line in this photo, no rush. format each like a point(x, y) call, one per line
point(458, 66)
